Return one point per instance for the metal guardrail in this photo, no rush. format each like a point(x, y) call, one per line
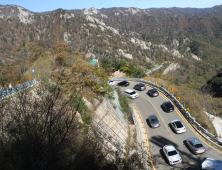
point(186, 114)
point(5, 92)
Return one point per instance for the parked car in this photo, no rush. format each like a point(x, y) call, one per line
point(132, 93)
point(140, 87)
point(167, 107)
point(153, 121)
point(123, 83)
point(172, 154)
point(212, 164)
point(195, 145)
point(178, 126)
point(111, 82)
point(153, 92)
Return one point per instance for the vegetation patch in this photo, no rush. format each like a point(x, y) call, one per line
point(124, 101)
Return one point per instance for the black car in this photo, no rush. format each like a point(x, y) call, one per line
point(123, 83)
point(153, 92)
point(140, 86)
point(167, 107)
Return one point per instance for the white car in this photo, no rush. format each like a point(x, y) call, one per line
point(132, 93)
point(213, 164)
point(172, 154)
point(178, 126)
point(111, 82)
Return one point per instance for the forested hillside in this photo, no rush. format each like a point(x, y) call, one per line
point(59, 45)
point(130, 39)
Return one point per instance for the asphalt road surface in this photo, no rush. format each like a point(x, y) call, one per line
point(164, 135)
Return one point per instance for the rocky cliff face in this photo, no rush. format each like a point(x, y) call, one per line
point(16, 12)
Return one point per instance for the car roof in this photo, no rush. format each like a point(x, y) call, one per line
point(167, 103)
point(152, 116)
point(140, 84)
point(194, 140)
point(124, 81)
point(153, 90)
point(129, 91)
point(169, 148)
point(212, 164)
point(175, 121)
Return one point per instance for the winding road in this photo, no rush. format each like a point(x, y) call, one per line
point(164, 135)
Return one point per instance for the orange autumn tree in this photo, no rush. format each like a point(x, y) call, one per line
point(92, 76)
point(61, 51)
point(35, 49)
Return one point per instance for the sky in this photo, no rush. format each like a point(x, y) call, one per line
point(50, 5)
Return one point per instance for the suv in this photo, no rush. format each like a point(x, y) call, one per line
point(132, 93)
point(153, 93)
point(167, 107)
point(123, 83)
point(140, 87)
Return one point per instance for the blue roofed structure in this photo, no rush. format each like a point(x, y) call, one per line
point(93, 62)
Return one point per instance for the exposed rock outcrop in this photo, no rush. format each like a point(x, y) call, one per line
point(88, 55)
point(176, 53)
point(118, 74)
point(144, 45)
point(195, 57)
point(90, 11)
point(121, 52)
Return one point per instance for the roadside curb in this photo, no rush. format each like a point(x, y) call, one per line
point(144, 137)
point(201, 135)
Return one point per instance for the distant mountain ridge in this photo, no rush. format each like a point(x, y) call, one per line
point(215, 11)
point(146, 37)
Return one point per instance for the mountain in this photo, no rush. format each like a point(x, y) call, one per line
point(146, 37)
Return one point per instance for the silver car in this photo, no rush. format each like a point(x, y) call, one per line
point(172, 154)
point(178, 126)
point(153, 121)
point(195, 145)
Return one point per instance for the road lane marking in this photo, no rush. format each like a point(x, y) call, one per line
point(164, 124)
point(189, 160)
point(190, 127)
point(146, 139)
point(166, 127)
point(183, 120)
point(160, 117)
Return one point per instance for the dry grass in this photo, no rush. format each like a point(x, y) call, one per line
point(42, 66)
point(194, 100)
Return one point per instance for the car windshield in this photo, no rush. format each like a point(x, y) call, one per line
point(141, 85)
point(198, 146)
point(154, 120)
point(171, 153)
point(132, 93)
point(179, 124)
point(168, 105)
